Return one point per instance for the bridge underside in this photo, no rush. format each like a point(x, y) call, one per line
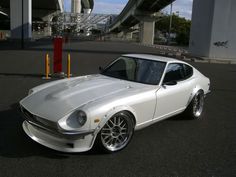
point(40, 8)
point(153, 6)
point(21, 13)
point(140, 12)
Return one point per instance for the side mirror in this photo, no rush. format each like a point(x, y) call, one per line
point(170, 83)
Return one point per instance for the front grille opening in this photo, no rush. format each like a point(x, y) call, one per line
point(28, 115)
point(71, 145)
point(38, 120)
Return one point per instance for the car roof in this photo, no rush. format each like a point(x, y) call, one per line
point(154, 57)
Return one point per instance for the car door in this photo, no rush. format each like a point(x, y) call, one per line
point(175, 91)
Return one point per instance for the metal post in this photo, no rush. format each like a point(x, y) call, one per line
point(68, 66)
point(22, 24)
point(171, 16)
point(47, 67)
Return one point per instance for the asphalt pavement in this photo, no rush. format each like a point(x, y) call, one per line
point(172, 148)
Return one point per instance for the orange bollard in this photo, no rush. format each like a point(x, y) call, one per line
point(47, 67)
point(68, 66)
point(48, 59)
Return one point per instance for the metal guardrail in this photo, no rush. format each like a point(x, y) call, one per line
point(72, 23)
point(81, 21)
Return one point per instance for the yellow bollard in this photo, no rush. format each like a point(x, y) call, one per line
point(47, 67)
point(48, 59)
point(68, 65)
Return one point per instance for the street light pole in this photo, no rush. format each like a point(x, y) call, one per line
point(171, 16)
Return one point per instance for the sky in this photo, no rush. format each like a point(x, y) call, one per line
point(184, 7)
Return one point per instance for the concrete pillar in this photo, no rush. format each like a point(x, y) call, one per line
point(129, 35)
point(125, 34)
point(147, 32)
point(16, 19)
point(76, 6)
point(120, 34)
point(213, 29)
point(87, 11)
point(48, 28)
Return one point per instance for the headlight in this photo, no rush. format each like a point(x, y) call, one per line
point(81, 118)
point(75, 120)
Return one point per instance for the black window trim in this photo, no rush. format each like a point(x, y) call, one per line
point(184, 79)
point(191, 73)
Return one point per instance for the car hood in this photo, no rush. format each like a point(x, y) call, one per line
point(59, 99)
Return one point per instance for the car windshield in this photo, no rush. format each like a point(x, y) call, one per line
point(136, 70)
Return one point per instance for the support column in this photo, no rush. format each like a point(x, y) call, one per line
point(16, 16)
point(120, 34)
point(213, 29)
point(87, 11)
point(147, 32)
point(76, 6)
point(147, 25)
point(48, 28)
point(129, 35)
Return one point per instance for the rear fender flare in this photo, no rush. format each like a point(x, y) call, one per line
point(194, 92)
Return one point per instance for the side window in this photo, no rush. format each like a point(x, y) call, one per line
point(188, 71)
point(174, 72)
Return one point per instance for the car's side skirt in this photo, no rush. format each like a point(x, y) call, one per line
point(166, 116)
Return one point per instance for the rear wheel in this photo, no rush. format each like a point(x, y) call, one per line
point(195, 108)
point(116, 133)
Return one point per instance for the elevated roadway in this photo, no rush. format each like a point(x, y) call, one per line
point(135, 8)
point(143, 12)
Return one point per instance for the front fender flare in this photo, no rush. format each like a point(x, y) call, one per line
point(111, 112)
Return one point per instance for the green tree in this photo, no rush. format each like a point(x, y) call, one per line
point(180, 26)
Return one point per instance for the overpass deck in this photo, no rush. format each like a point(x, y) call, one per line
point(127, 17)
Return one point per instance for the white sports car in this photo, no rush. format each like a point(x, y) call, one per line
point(134, 91)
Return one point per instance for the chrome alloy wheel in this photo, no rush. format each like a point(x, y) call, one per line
point(198, 103)
point(117, 132)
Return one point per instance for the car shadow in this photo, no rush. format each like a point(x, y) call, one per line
point(179, 117)
point(14, 143)
point(184, 117)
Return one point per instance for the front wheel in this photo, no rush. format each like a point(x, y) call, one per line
point(195, 108)
point(116, 133)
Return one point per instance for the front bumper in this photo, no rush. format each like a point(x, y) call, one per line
point(79, 142)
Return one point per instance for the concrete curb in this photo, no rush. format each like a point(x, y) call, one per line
point(183, 54)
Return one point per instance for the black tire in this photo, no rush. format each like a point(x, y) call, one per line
point(195, 108)
point(117, 133)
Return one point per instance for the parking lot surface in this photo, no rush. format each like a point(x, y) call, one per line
point(172, 148)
